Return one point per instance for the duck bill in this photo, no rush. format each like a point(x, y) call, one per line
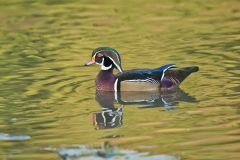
point(90, 63)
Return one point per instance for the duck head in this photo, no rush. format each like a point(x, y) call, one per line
point(108, 58)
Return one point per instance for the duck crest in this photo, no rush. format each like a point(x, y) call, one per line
point(110, 53)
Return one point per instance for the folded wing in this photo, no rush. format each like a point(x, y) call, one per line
point(141, 79)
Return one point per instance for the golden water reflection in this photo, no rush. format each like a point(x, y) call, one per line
point(48, 97)
point(111, 116)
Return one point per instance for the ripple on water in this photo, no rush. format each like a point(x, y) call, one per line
point(85, 153)
point(8, 137)
point(45, 86)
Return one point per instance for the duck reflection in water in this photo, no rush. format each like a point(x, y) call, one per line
point(111, 116)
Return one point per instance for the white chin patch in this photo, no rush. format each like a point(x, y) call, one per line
point(104, 67)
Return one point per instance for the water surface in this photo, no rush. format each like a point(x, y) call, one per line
point(48, 99)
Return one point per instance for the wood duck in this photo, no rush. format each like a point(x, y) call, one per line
point(163, 78)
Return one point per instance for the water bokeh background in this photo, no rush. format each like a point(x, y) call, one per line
point(47, 96)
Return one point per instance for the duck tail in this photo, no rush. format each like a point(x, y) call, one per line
point(192, 69)
point(179, 74)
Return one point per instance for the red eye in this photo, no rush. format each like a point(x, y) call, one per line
point(99, 55)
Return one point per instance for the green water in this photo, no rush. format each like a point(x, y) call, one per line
point(47, 97)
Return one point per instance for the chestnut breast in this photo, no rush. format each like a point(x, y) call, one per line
point(105, 81)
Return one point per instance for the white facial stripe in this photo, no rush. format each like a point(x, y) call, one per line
point(117, 56)
point(113, 52)
point(97, 53)
point(104, 67)
point(118, 67)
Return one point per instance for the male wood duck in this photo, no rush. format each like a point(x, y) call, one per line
point(163, 78)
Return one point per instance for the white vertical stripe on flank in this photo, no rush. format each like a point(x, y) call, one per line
point(115, 89)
